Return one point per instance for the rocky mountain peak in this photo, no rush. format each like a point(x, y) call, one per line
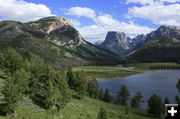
point(50, 24)
point(116, 42)
point(116, 37)
point(164, 31)
point(56, 26)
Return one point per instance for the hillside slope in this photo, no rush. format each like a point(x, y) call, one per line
point(86, 108)
point(52, 38)
point(164, 49)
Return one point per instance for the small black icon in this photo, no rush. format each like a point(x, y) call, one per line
point(172, 111)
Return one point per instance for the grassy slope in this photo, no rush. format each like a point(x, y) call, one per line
point(105, 71)
point(86, 108)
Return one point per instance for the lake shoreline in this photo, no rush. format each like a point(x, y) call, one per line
point(143, 72)
point(123, 70)
point(161, 83)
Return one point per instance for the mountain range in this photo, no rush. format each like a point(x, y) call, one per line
point(162, 44)
point(54, 39)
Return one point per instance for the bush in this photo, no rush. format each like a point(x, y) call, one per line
point(102, 114)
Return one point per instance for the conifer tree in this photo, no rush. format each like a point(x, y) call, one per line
point(21, 78)
point(137, 100)
point(79, 85)
point(177, 100)
point(12, 95)
point(178, 85)
point(101, 94)
point(166, 100)
point(123, 95)
point(107, 97)
point(10, 60)
point(93, 88)
point(155, 105)
point(70, 77)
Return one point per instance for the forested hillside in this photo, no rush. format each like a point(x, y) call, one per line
point(54, 39)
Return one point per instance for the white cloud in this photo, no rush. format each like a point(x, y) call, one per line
point(150, 2)
point(75, 22)
point(23, 11)
point(144, 2)
point(104, 23)
point(159, 14)
point(81, 11)
point(169, 1)
point(97, 32)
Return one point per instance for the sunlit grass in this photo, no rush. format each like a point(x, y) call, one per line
point(105, 71)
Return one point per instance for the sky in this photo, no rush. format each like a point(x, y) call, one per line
point(94, 18)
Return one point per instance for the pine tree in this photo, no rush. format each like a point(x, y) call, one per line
point(102, 114)
point(80, 86)
point(49, 88)
point(178, 85)
point(21, 78)
point(57, 94)
point(123, 95)
point(70, 77)
point(177, 100)
point(10, 60)
point(107, 97)
point(166, 100)
point(12, 95)
point(155, 105)
point(101, 94)
point(134, 102)
point(139, 98)
point(93, 88)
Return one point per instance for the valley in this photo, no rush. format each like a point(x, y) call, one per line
point(48, 70)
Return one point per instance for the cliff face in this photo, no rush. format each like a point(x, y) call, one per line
point(116, 42)
point(123, 46)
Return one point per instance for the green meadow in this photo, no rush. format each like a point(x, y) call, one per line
point(125, 70)
point(86, 108)
point(105, 71)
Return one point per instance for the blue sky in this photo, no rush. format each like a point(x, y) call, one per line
point(94, 18)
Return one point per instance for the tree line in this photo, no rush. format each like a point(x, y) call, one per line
point(165, 67)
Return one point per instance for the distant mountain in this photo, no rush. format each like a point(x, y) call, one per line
point(98, 43)
point(161, 45)
point(52, 38)
point(165, 37)
point(116, 42)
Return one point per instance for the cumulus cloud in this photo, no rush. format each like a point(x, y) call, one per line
point(23, 11)
point(81, 11)
point(159, 13)
point(104, 23)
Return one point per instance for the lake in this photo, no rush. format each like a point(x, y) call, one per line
point(161, 83)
